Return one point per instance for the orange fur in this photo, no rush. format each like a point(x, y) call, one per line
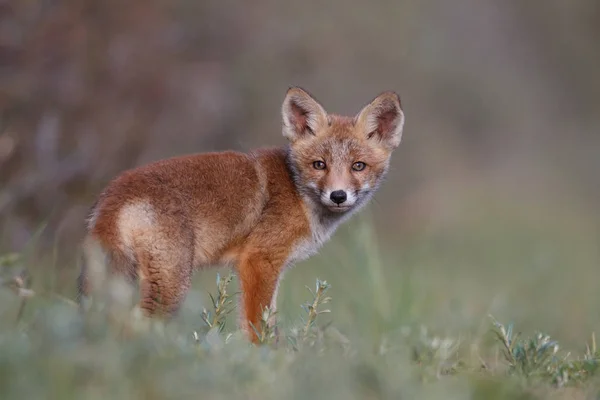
point(261, 211)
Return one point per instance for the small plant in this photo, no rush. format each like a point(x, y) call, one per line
point(436, 355)
point(312, 309)
point(580, 369)
point(532, 357)
point(308, 333)
point(16, 279)
point(223, 305)
point(538, 357)
point(267, 334)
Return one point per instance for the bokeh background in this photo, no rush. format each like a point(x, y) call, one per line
point(493, 201)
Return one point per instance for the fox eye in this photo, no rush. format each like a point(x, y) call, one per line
point(359, 166)
point(319, 165)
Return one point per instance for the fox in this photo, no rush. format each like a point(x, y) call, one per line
point(259, 212)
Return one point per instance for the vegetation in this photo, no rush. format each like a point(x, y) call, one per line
point(48, 349)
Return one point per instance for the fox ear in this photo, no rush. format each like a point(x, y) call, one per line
point(382, 119)
point(302, 114)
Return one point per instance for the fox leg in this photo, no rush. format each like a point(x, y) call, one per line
point(161, 296)
point(165, 276)
point(259, 277)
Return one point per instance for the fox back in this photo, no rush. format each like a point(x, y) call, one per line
point(259, 211)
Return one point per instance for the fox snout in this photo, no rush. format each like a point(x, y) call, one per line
point(339, 200)
point(338, 196)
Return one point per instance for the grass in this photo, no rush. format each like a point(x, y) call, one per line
point(419, 323)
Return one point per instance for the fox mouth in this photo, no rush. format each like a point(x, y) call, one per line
point(339, 208)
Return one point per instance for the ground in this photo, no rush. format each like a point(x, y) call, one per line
point(435, 317)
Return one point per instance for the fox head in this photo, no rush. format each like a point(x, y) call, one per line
point(338, 161)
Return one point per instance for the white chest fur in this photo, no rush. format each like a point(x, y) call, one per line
point(306, 247)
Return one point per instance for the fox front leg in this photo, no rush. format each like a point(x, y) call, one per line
point(259, 277)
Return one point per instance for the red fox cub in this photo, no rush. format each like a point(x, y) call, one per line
point(261, 211)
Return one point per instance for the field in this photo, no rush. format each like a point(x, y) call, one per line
point(431, 318)
point(473, 274)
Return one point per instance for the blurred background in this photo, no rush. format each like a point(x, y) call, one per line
point(493, 200)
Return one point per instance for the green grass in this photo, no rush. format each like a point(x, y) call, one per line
point(383, 321)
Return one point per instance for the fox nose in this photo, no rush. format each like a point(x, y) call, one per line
point(338, 196)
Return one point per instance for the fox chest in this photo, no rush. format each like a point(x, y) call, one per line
point(306, 247)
